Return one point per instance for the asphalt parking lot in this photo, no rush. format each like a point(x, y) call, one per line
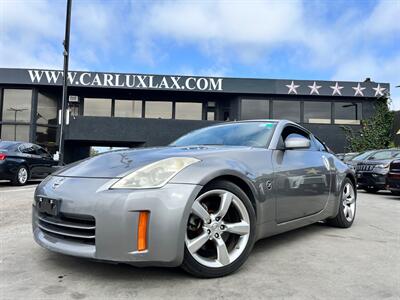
point(315, 262)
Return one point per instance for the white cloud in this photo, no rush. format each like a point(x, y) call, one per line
point(32, 33)
point(27, 34)
point(385, 18)
point(244, 27)
point(377, 68)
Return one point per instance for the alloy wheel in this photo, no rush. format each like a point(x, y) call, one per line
point(22, 175)
point(349, 202)
point(218, 229)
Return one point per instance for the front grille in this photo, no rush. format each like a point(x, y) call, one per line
point(365, 167)
point(76, 228)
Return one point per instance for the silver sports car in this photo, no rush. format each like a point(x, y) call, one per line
point(200, 203)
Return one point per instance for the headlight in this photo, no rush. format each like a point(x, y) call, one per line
point(154, 175)
point(382, 166)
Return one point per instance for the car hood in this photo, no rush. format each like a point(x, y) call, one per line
point(375, 162)
point(116, 164)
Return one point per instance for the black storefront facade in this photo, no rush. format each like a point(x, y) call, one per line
point(136, 110)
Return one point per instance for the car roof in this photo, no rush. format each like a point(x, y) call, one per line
point(9, 144)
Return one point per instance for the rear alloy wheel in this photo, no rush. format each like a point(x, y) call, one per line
point(22, 176)
point(347, 206)
point(220, 231)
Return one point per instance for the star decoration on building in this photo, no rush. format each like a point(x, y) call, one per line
point(292, 88)
point(336, 89)
point(379, 91)
point(314, 88)
point(358, 89)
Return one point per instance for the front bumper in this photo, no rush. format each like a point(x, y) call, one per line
point(116, 219)
point(371, 180)
point(393, 182)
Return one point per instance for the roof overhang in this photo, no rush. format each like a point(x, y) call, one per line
point(194, 83)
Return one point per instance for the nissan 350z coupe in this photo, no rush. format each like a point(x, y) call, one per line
point(200, 203)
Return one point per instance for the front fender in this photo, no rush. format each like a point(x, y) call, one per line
point(255, 175)
point(205, 171)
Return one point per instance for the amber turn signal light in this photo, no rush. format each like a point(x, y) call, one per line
point(142, 230)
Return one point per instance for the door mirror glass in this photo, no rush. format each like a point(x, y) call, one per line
point(297, 142)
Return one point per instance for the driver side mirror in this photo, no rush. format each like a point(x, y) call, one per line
point(297, 143)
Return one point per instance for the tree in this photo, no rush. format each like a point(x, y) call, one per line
point(376, 132)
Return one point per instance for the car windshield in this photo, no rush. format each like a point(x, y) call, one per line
point(384, 155)
point(253, 134)
point(363, 155)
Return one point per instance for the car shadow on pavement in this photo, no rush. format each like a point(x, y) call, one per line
point(289, 237)
point(124, 272)
point(100, 270)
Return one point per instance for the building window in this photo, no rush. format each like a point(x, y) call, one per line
point(46, 109)
point(17, 105)
point(128, 108)
point(348, 113)
point(97, 107)
point(188, 110)
point(317, 112)
point(210, 116)
point(289, 110)
point(255, 109)
point(158, 109)
point(46, 137)
point(15, 133)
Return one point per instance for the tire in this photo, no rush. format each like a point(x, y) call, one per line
point(395, 193)
point(207, 262)
point(371, 190)
point(347, 206)
point(21, 176)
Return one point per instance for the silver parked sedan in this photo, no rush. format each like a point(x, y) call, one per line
point(200, 203)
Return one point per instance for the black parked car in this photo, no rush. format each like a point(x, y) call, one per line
point(20, 161)
point(393, 177)
point(360, 157)
point(371, 172)
point(345, 157)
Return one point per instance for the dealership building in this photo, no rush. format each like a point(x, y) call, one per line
point(137, 110)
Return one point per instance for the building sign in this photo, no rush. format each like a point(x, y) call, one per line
point(195, 83)
point(127, 80)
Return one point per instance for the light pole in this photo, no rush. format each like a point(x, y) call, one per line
point(16, 110)
point(65, 81)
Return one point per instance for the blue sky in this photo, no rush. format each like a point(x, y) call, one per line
point(321, 40)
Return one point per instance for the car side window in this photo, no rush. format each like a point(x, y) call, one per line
point(320, 146)
point(27, 149)
point(43, 153)
point(382, 155)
